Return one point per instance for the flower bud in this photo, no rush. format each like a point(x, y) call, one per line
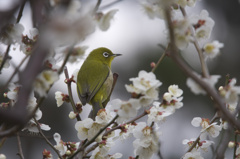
point(72, 115)
point(231, 144)
point(153, 64)
point(68, 152)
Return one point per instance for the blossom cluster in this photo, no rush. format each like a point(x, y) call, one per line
point(144, 90)
point(195, 29)
point(61, 32)
point(119, 119)
point(12, 96)
point(186, 29)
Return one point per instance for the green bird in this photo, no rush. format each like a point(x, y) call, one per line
point(95, 79)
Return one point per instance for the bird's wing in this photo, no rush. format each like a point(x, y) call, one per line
point(95, 74)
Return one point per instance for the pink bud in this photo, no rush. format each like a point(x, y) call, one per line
point(153, 64)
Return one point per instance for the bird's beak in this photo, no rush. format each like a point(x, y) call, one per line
point(117, 55)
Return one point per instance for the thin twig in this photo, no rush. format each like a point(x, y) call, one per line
point(222, 146)
point(204, 67)
point(32, 135)
point(70, 51)
point(16, 70)
point(20, 12)
point(159, 61)
point(235, 147)
point(110, 4)
point(97, 6)
point(10, 131)
point(159, 152)
point(5, 57)
point(94, 138)
point(198, 139)
point(129, 122)
point(20, 152)
point(90, 149)
point(46, 139)
point(2, 141)
point(70, 94)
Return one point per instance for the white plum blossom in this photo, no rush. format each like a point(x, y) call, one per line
point(172, 100)
point(145, 87)
point(44, 80)
point(153, 9)
point(224, 124)
point(103, 20)
point(189, 143)
point(175, 91)
point(146, 142)
point(193, 155)
point(32, 127)
point(51, 64)
point(65, 148)
point(212, 49)
point(196, 89)
point(28, 41)
point(12, 94)
point(59, 98)
point(75, 24)
point(207, 128)
point(73, 8)
point(202, 25)
point(83, 127)
point(101, 152)
point(59, 144)
point(144, 82)
point(125, 109)
point(182, 32)
point(12, 33)
point(230, 92)
point(203, 145)
point(6, 64)
point(88, 128)
point(103, 117)
point(127, 131)
point(76, 54)
point(32, 103)
point(157, 113)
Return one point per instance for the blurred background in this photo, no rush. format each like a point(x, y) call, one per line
point(137, 37)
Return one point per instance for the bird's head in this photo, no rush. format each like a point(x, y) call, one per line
point(103, 55)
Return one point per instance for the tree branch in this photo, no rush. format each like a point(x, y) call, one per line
point(20, 152)
point(46, 139)
point(70, 94)
point(211, 92)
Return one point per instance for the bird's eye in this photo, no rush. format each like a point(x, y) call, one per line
point(105, 54)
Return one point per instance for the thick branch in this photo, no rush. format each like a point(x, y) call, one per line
point(211, 92)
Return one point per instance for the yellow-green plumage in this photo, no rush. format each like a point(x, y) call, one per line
point(94, 80)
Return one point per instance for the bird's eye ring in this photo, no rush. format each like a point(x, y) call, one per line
point(105, 54)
